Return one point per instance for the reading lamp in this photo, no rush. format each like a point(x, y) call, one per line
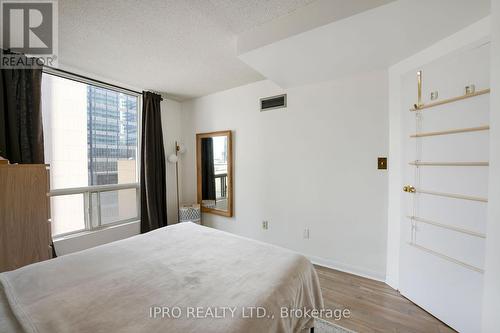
point(174, 158)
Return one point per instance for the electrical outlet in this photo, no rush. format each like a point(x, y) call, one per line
point(265, 225)
point(306, 233)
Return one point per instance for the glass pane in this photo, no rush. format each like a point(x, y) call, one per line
point(64, 108)
point(68, 213)
point(118, 205)
point(90, 134)
point(112, 136)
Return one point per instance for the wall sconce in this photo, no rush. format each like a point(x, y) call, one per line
point(174, 158)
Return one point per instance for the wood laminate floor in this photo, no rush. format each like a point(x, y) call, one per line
point(375, 307)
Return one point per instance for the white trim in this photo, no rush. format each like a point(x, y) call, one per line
point(92, 188)
point(93, 231)
point(359, 271)
point(491, 287)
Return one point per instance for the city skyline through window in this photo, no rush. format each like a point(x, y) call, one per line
point(90, 135)
point(111, 133)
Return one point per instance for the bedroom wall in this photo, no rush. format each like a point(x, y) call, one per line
point(312, 165)
point(491, 291)
point(170, 119)
point(170, 122)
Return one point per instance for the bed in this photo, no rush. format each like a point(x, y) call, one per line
point(136, 285)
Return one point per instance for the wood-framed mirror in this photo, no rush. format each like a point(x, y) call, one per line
point(214, 167)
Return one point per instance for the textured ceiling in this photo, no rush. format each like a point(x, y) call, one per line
point(372, 40)
point(243, 15)
point(186, 48)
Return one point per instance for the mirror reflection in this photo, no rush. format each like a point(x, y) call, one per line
point(214, 172)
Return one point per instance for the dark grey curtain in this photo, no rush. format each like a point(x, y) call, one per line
point(21, 128)
point(21, 133)
point(207, 169)
point(153, 183)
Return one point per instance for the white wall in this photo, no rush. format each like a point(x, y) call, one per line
point(170, 117)
point(491, 294)
point(170, 121)
point(312, 165)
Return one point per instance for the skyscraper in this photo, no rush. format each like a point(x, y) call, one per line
point(111, 133)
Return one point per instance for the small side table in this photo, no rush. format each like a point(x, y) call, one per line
point(190, 213)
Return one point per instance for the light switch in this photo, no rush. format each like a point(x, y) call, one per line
point(382, 163)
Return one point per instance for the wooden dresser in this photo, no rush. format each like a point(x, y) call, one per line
point(25, 234)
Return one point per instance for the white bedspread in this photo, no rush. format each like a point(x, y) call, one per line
point(111, 288)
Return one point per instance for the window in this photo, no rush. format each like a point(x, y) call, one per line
point(91, 144)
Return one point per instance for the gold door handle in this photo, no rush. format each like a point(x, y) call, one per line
point(409, 189)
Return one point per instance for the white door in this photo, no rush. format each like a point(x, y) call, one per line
point(446, 162)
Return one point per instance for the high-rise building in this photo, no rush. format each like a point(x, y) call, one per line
point(111, 133)
point(90, 136)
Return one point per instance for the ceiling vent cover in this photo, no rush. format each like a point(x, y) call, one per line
point(274, 102)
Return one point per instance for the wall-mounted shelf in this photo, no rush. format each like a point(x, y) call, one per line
point(450, 100)
point(449, 227)
point(445, 257)
point(459, 164)
point(452, 195)
point(452, 131)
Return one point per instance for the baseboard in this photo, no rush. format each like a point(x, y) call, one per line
point(366, 273)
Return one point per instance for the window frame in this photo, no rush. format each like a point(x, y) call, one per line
point(89, 209)
point(88, 191)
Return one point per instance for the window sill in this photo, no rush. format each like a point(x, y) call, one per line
point(91, 232)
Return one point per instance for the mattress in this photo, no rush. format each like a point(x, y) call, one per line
point(181, 278)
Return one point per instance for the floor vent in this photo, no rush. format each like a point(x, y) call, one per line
point(274, 102)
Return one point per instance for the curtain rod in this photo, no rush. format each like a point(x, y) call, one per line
point(65, 74)
point(55, 71)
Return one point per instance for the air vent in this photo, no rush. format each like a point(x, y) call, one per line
point(274, 102)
